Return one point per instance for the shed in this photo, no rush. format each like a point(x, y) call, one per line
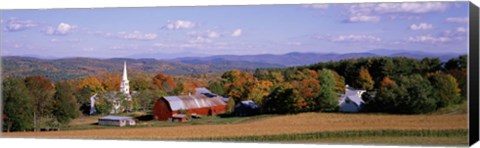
point(352, 100)
point(168, 106)
point(116, 121)
point(246, 108)
point(179, 118)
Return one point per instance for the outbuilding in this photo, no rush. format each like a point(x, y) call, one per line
point(168, 106)
point(116, 121)
point(246, 108)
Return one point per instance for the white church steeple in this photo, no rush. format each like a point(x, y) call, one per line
point(124, 87)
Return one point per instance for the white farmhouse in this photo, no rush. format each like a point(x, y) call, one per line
point(351, 101)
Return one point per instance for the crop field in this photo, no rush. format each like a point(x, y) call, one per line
point(433, 127)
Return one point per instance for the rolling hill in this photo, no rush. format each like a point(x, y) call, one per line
point(70, 68)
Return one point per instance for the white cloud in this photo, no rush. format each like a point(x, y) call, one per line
point(457, 20)
point(136, 35)
point(373, 12)
point(459, 33)
point(179, 24)
point(428, 39)
point(461, 29)
point(355, 38)
point(213, 34)
point(61, 29)
point(237, 32)
point(14, 24)
point(200, 39)
point(363, 18)
point(421, 26)
point(317, 6)
point(418, 7)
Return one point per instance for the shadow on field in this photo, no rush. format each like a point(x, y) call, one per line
point(144, 118)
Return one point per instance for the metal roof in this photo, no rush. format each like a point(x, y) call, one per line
point(202, 90)
point(352, 95)
point(115, 118)
point(191, 102)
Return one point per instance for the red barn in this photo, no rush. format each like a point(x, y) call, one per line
point(168, 106)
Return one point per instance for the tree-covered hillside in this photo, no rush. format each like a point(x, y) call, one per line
point(65, 69)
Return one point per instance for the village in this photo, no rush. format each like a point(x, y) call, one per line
point(202, 103)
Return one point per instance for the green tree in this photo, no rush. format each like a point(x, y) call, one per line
point(457, 67)
point(282, 100)
point(445, 89)
point(65, 106)
point(327, 98)
point(217, 87)
point(408, 95)
point(146, 98)
point(42, 89)
point(140, 84)
point(17, 105)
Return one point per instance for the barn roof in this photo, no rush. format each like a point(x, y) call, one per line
point(191, 102)
point(202, 90)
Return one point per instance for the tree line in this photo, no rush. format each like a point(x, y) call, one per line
point(394, 85)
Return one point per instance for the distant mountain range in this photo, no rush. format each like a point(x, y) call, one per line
point(297, 59)
point(68, 68)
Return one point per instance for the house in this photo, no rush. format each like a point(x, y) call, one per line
point(168, 106)
point(246, 108)
point(351, 101)
point(116, 121)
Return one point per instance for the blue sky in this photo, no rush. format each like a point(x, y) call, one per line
point(239, 30)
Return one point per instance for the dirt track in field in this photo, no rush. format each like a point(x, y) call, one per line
point(287, 124)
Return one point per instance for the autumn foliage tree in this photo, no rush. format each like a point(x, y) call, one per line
point(237, 84)
point(164, 82)
point(42, 90)
point(364, 80)
point(110, 82)
point(87, 87)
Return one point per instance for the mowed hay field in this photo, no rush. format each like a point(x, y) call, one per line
point(276, 125)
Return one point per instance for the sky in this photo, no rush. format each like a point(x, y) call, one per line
point(438, 27)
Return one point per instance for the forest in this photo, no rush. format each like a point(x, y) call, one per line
point(394, 85)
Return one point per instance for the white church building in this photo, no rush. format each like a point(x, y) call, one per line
point(116, 102)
